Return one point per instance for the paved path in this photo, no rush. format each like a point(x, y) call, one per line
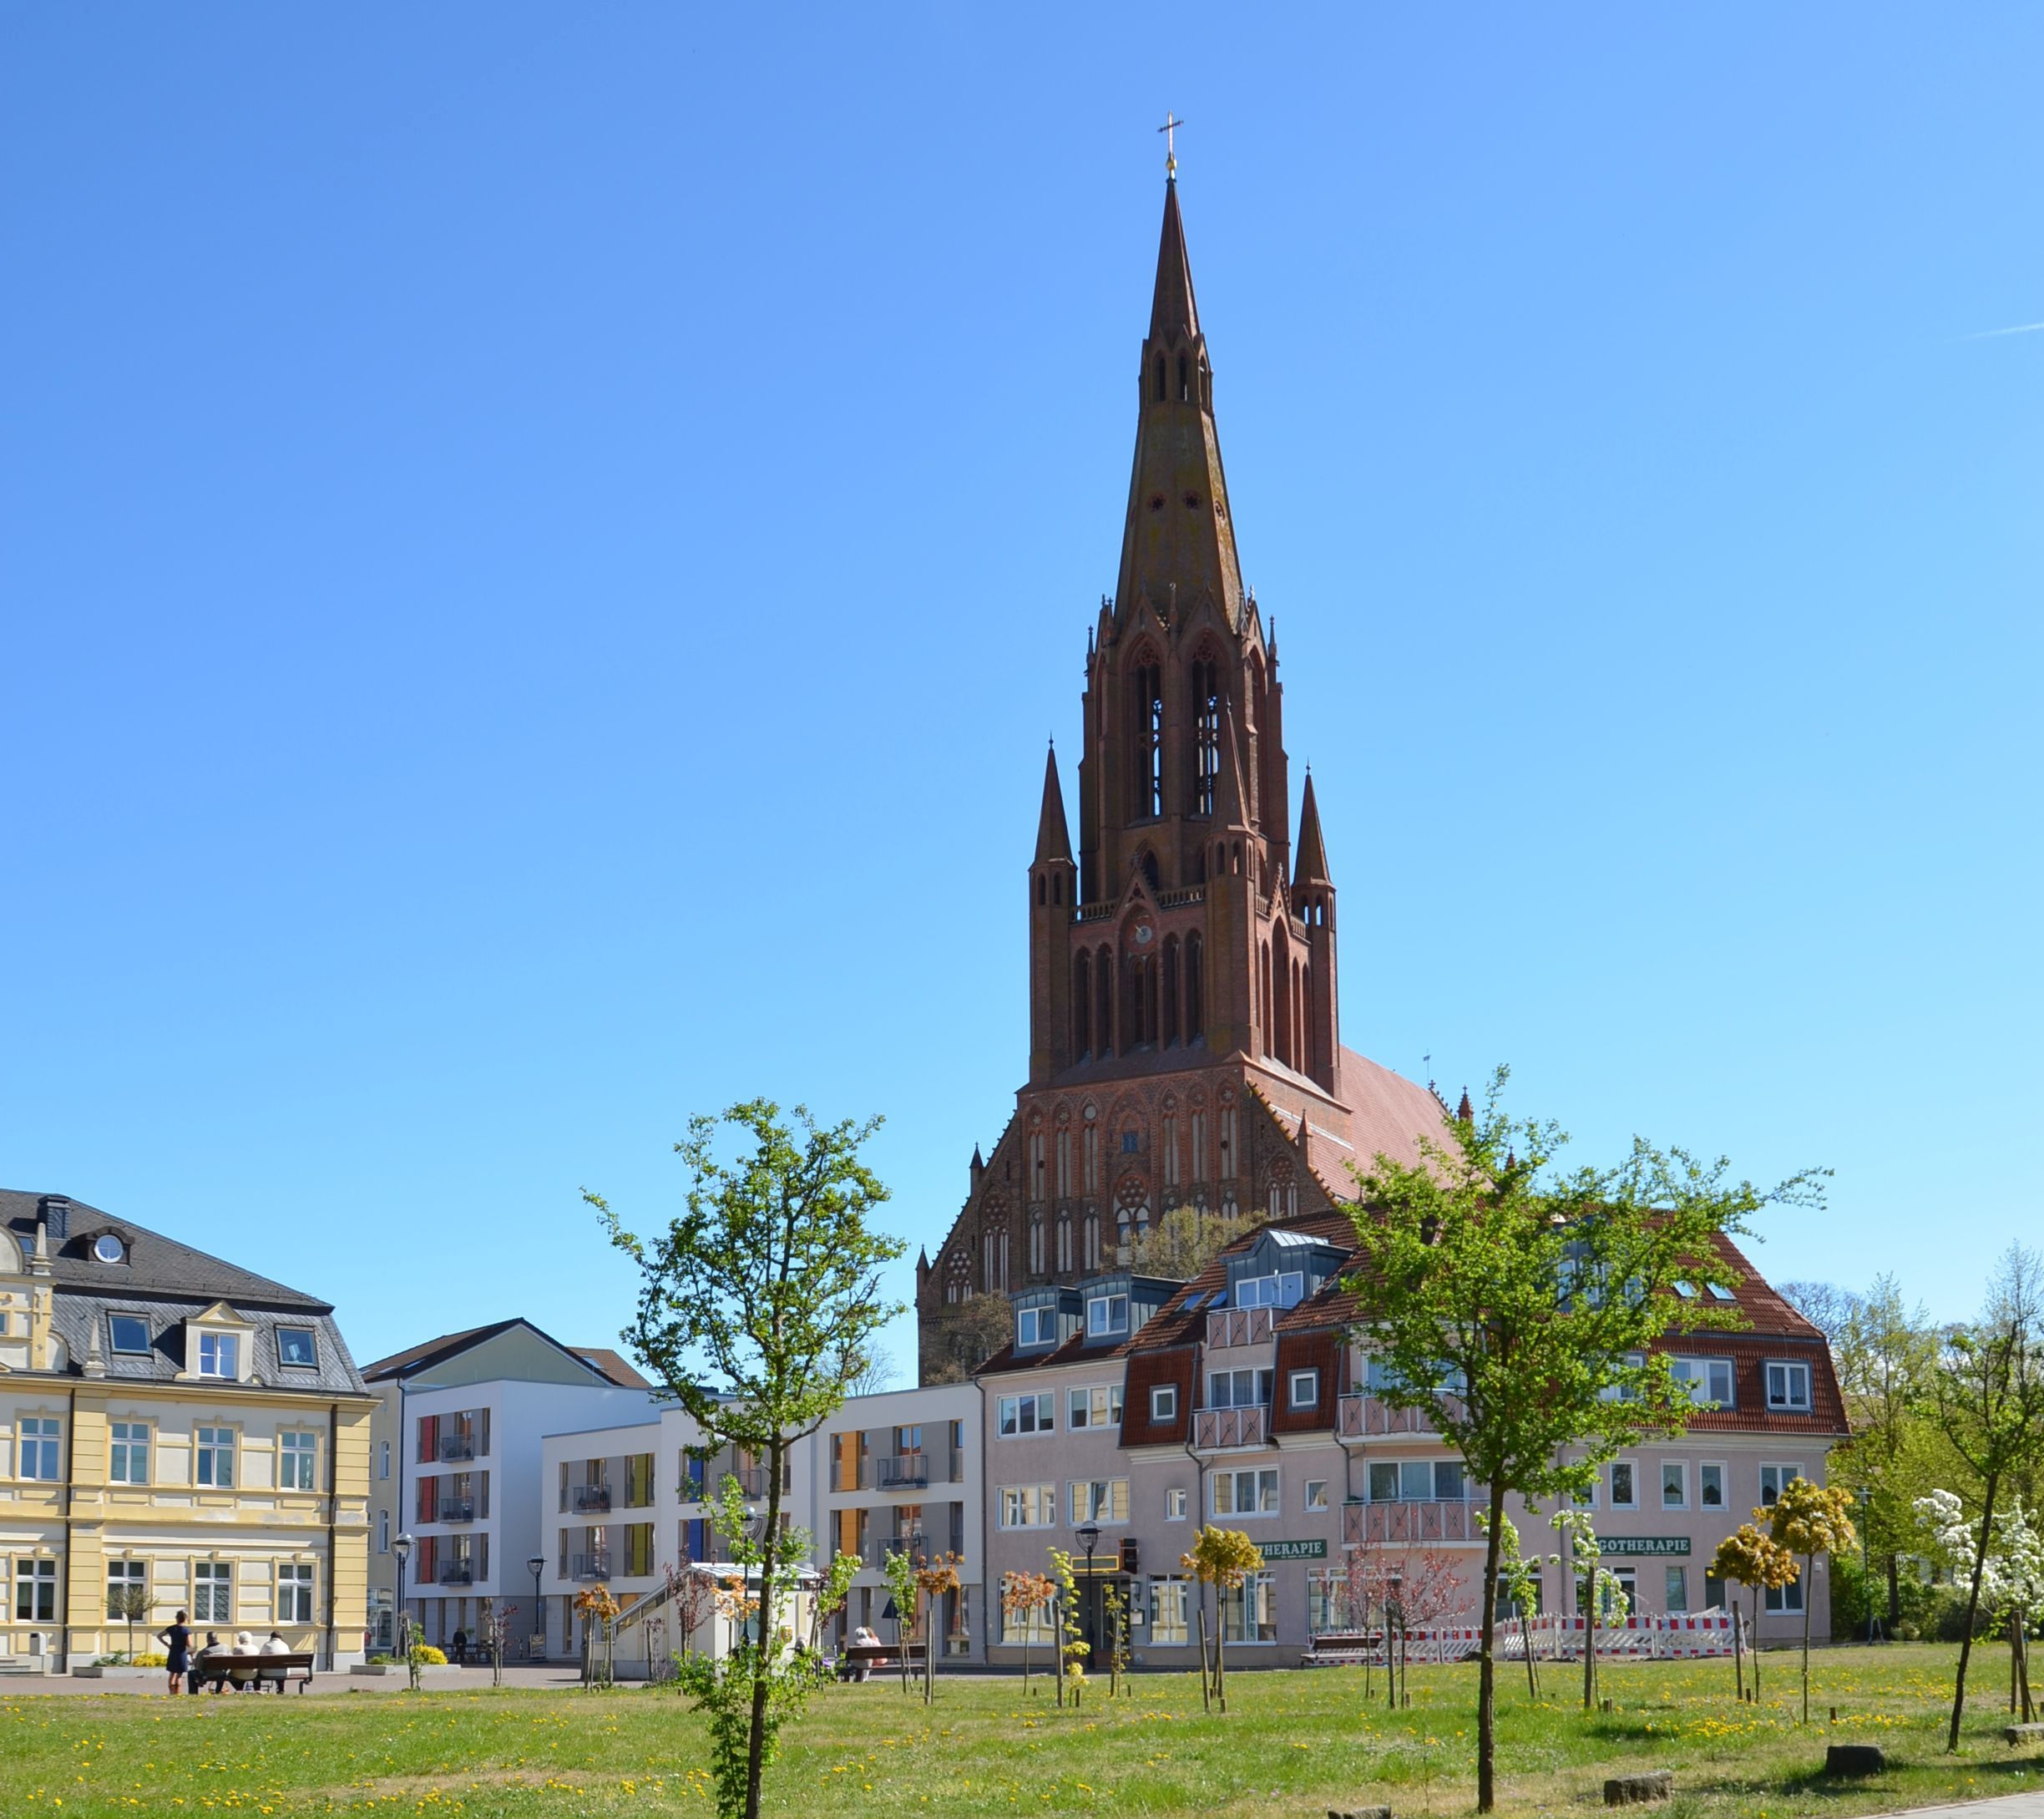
point(437, 1680)
point(2003, 1806)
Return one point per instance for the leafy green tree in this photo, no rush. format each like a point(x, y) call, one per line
point(1518, 1582)
point(1757, 1561)
point(756, 1307)
point(1182, 1242)
point(964, 1335)
point(1810, 1519)
point(1223, 1559)
point(1987, 1399)
point(899, 1570)
point(1519, 1306)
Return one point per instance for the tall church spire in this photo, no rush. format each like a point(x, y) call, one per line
point(1312, 865)
point(1174, 316)
point(1053, 831)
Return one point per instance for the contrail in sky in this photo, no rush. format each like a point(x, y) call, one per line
point(1990, 334)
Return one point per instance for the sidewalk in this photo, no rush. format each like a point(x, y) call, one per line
point(2001, 1806)
point(543, 1678)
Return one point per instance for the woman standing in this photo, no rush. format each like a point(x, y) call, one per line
point(177, 1644)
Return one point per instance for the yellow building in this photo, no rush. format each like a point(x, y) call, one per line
point(175, 1424)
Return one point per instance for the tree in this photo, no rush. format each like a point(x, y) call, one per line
point(1987, 1395)
point(1519, 1583)
point(131, 1603)
point(1596, 1590)
point(1182, 1242)
point(756, 1307)
point(1519, 1307)
point(932, 1579)
point(899, 1570)
point(1022, 1594)
point(1758, 1562)
point(1223, 1559)
point(1073, 1648)
point(964, 1335)
point(1810, 1519)
point(2011, 1579)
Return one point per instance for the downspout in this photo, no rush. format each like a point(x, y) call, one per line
point(987, 1597)
point(333, 1511)
point(70, 1499)
point(397, 1520)
point(1199, 1486)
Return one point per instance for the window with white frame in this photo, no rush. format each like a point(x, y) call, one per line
point(1169, 1605)
point(1710, 1486)
point(1035, 1325)
point(1031, 1625)
point(296, 1451)
point(1028, 1505)
point(35, 1591)
point(383, 1459)
point(1624, 1485)
point(1252, 1491)
point(1674, 1484)
point(1174, 1505)
point(1774, 1478)
point(213, 1460)
point(126, 1579)
point(1303, 1389)
point(1285, 1289)
point(220, 1354)
point(212, 1592)
point(1027, 1414)
point(128, 1452)
point(1249, 1611)
point(1163, 1403)
point(294, 1596)
point(1106, 1314)
point(1099, 1500)
point(1416, 1481)
point(37, 1451)
point(1786, 1598)
point(1238, 1389)
point(1097, 1407)
point(1709, 1380)
point(1788, 1387)
point(1316, 1494)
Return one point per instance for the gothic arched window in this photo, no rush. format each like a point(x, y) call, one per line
point(1170, 990)
point(1082, 1002)
point(1195, 1007)
point(1147, 723)
point(1206, 732)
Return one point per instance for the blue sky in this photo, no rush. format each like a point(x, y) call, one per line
point(541, 547)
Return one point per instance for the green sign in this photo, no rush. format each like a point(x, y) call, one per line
point(1300, 1550)
point(1642, 1544)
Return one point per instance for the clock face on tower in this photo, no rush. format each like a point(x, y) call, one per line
point(1142, 931)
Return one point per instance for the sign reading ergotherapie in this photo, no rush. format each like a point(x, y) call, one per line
point(1642, 1544)
point(1293, 1550)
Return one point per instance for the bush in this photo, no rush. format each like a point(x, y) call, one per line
point(1929, 1612)
point(151, 1660)
point(425, 1654)
point(118, 1658)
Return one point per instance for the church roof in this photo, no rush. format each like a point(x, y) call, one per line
point(1173, 314)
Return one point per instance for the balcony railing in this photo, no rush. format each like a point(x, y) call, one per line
point(909, 1469)
point(1240, 1327)
point(582, 1497)
point(457, 1446)
point(1214, 1428)
point(916, 1547)
point(590, 1565)
point(457, 1572)
point(1400, 1523)
point(1363, 1415)
point(454, 1509)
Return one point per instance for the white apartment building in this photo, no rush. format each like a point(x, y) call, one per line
point(455, 1464)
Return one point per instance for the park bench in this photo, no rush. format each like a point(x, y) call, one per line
point(246, 1672)
point(862, 1660)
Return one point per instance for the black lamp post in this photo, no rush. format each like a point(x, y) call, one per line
point(535, 1566)
point(1087, 1535)
point(1866, 1582)
point(1394, 1614)
point(400, 1618)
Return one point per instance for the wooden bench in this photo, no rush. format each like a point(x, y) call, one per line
point(242, 1672)
point(861, 1660)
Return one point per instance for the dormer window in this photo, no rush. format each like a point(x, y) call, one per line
point(1035, 1325)
point(296, 1347)
point(128, 1334)
point(108, 1249)
point(220, 1354)
point(1285, 1289)
point(1106, 1316)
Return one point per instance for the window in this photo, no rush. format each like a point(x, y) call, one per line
point(1316, 1494)
point(212, 1592)
point(1252, 1492)
point(296, 1451)
point(1175, 1506)
point(296, 1347)
point(383, 1459)
point(214, 1455)
point(1035, 1325)
point(382, 1531)
point(1674, 1484)
point(1028, 1505)
point(294, 1599)
point(126, 1578)
point(1773, 1477)
point(218, 1354)
point(1285, 1289)
point(35, 1591)
point(1132, 1141)
point(37, 1444)
point(1709, 1380)
point(1031, 1625)
point(1304, 1389)
point(1099, 1500)
point(1624, 1488)
point(1415, 1481)
point(1710, 1486)
point(1164, 1403)
point(1675, 1592)
point(128, 1452)
point(1094, 1408)
point(1788, 1387)
point(1167, 1611)
point(128, 1334)
point(1027, 1415)
point(1106, 1313)
point(1785, 1597)
point(1237, 1389)
point(1249, 1611)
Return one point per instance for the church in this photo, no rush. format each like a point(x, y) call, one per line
point(1185, 1037)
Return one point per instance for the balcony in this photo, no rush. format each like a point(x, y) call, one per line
point(1216, 1428)
point(1364, 1416)
point(585, 1498)
point(456, 1572)
point(910, 1469)
point(590, 1565)
point(1403, 1523)
point(1229, 1326)
point(454, 1509)
point(457, 1447)
point(916, 1547)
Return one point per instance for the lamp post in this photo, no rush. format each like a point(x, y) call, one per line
point(1087, 1535)
point(401, 1618)
point(1866, 1582)
point(536, 1566)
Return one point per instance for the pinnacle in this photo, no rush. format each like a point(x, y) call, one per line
point(1053, 832)
point(1173, 314)
point(1311, 866)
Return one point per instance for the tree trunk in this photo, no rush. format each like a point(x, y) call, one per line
point(1965, 1642)
point(756, 1743)
point(1057, 1645)
point(1590, 1596)
point(1894, 1592)
point(1526, 1640)
point(1759, 1599)
point(929, 1663)
point(1738, 1650)
point(1206, 1673)
point(1810, 1571)
point(1486, 1677)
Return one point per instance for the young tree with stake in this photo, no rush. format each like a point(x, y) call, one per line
point(1520, 1308)
point(757, 1306)
point(1810, 1519)
point(1753, 1558)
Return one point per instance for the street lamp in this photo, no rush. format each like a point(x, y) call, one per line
point(401, 1618)
point(535, 1566)
point(1866, 1582)
point(1087, 1535)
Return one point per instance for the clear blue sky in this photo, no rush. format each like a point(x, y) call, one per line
point(540, 548)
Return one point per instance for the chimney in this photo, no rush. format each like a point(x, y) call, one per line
point(56, 1216)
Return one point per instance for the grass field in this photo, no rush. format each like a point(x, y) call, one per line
point(1291, 1744)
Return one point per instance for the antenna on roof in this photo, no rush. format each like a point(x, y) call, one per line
point(1427, 1061)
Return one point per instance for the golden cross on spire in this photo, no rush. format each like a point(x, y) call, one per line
point(1170, 130)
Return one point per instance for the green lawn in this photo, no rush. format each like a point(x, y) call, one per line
point(1292, 1743)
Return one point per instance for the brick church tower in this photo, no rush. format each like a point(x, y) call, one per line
point(1185, 1043)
